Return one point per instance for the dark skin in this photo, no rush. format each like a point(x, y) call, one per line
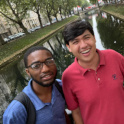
point(46, 75)
point(44, 94)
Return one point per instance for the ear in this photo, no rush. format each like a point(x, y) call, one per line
point(27, 71)
point(68, 47)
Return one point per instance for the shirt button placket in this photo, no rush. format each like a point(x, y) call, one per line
point(97, 78)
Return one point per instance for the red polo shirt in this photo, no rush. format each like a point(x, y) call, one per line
point(100, 93)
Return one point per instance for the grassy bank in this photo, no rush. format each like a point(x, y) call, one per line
point(14, 48)
point(116, 10)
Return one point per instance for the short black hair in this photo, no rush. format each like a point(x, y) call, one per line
point(32, 49)
point(76, 28)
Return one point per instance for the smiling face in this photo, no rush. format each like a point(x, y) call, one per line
point(44, 76)
point(84, 48)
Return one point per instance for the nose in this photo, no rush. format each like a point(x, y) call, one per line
point(45, 68)
point(83, 44)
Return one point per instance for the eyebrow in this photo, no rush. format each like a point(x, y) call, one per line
point(86, 35)
point(41, 62)
point(83, 36)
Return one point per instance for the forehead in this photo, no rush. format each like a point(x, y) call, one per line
point(83, 35)
point(38, 55)
point(86, 32)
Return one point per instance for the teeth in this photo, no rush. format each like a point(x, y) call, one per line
point(47, 75)
point(86, 51)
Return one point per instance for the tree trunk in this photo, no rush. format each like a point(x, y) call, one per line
point(23, 27)
point(60, 13)
point(98, 4)
point(1, 40)
point(41, 25)
point(73, 11)
point(57, 38)
point(56, 17)
point(49, 19)
point(52, 48)
point(65, 14)
point(78, 10)
point(61, 16)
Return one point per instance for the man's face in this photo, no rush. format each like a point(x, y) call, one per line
point(45, 76)
point(83, 47)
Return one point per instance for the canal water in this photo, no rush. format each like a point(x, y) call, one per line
point(109, 34)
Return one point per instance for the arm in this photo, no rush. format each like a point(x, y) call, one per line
point(77, 116)
point(15, 114)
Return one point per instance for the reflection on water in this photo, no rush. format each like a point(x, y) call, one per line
point(109, 33)
point(99, 44)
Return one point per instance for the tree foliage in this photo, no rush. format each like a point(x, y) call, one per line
point(16, 11)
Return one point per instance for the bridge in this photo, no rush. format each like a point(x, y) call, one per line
point(81, 13)
point(87, 10)
point(94, 8)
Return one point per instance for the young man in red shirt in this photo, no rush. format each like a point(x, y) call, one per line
point(93, 83)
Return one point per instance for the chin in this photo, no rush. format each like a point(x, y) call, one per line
point(48, 83)
point(45, 83)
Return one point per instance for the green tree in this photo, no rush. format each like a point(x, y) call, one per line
point(48, 9)
point(67, 6)
point(60, 8)
point(85, 4)
point(79, 3)
point(71, 4)
point(36, 6)
point(15, 11)
point(95, 2)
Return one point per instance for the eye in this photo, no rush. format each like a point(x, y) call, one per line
point(75, 42)
point(86, 37)
point(49, 62)
point(36, 65)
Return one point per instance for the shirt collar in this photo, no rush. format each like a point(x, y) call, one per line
point(38, 104)
point(102, 57)
point(82, 70)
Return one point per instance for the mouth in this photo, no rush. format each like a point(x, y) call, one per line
point(46, 76)
point(86, 51)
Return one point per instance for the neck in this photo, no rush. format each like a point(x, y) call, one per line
point(38, 89)
point(91, 64)
point(44, 93)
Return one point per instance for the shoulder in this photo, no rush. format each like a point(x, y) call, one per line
point(14, 106)
point(69, 69)
point(112, 57)
point(16, 112)
point(69, 72)
point(111, 54)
